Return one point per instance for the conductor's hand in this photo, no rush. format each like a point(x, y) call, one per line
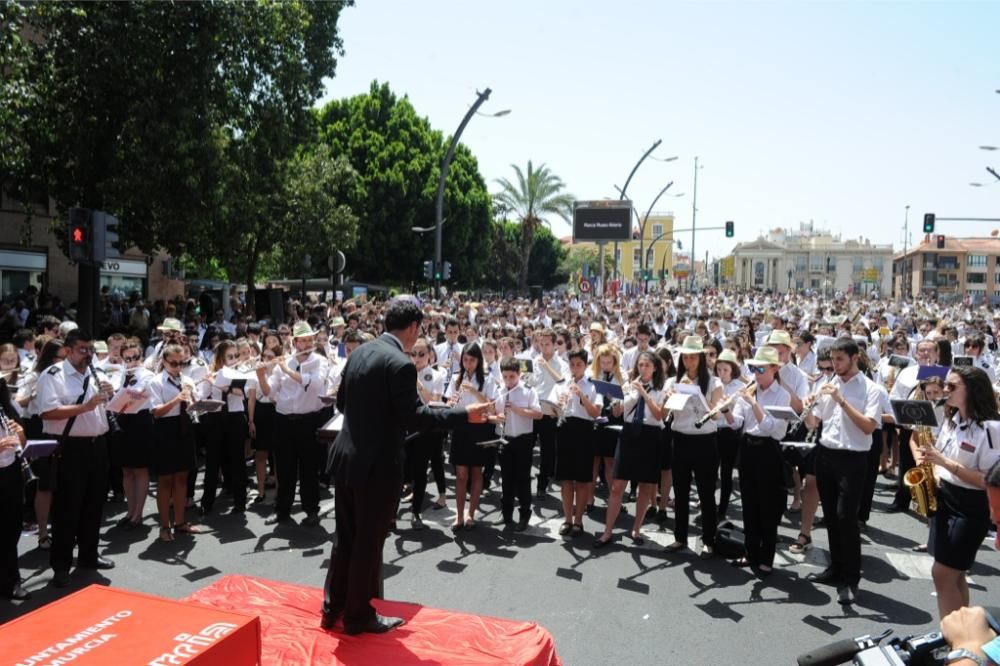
point(477, 411)
point(967, 628)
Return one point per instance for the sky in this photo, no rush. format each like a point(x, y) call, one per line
point(843, 113)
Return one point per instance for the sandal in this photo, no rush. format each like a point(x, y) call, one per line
point(166, 534)
point(801, 545)
point(186, 528)
point(576, 530)
point(45, 542)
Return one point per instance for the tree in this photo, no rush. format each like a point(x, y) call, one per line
point(547, 255)
point(579, 256)
point(534, 196)
point(398, 156)
point(179, 118)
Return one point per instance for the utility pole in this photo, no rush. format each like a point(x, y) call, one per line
point(694, 216)
point(904, 288)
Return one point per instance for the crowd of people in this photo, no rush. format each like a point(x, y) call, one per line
point(617, 400)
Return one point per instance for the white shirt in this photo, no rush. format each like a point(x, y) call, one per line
point(630, 357)
point(61, 385)
point(543, 381)
point(291, 397)
point(684, 420)
point(234, 399)
point(521, 396)
point(632, 398)
point(29, 382)
point(574, 404)
point(432, 380)
point(906, 381)
point(449, 356)
point(133, 395)
point(163, 388)
point(839, 431)
point(466, 397)
point(808, 364)
point(794, 380)
point(773, 396)
point(727, 390)
point(968, 444)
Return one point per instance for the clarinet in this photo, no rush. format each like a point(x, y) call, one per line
point(26, 471)
point(112, 417)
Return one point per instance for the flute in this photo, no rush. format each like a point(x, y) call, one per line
point(112, 417)
point(723, 404)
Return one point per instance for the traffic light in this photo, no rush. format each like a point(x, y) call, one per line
point(928, 223)
point(447, 270)
point(80, 235)
point(106, 241)
point(729, 230)
point(940, 241)
point(428, 270)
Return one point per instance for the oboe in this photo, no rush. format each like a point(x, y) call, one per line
point(26, 471)
point(112, 417)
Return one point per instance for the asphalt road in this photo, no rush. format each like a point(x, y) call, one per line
point(623, 604)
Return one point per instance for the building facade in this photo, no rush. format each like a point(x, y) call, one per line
point(808, 259)
point(963, 268)
point(656, 241)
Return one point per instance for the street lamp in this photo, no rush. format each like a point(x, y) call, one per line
point(789, 280)
point(445, 163)
point(694, 216)
point(424, 230)
point(622, 191)
point(498, 114)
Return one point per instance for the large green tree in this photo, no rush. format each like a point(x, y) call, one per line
point(182, 118)
point(534, 196)
point(398, 156)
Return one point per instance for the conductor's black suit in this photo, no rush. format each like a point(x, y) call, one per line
point(378, 397)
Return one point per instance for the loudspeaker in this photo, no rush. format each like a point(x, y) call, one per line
point(269, 304)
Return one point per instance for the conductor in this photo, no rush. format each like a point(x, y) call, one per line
point(378, 397)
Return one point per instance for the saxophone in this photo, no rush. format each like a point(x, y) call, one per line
point(890, 378)
point(920, 479)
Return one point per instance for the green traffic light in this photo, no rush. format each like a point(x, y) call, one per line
point(437, 276)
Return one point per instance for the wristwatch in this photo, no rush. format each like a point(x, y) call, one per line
point(962, 653)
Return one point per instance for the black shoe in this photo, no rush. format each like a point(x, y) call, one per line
point(508, 521)
point(845, 595)
point(17, 593)
point(541, 494)
point(124, 522)
point(101, 563)
point(600, 543)
point(522, 525)
point(379, 624)
point(661, 516)
point(238, 511)
point(311, 520)
point(60, 579)
point(825, 577)
point(417, 524)
point(896, 508)
point(276, 518)
point(863, 526)
point(328, 620)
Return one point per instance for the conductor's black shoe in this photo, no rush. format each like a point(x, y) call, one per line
point(379, 624)
point(60, 579)
point(825, 577)
point(17, 593)
point(328, 620)
point(521, 525)
point(276, 518)
point(311, 520)
point(102, 563)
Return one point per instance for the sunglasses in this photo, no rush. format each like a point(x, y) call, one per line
point(826, 369)
point(758, 369)
point(129, 359)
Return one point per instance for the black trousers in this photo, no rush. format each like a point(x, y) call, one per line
point(11, 508)
point(427, 449)
point(906, 461)
point(214, 428)
point(545, 430)
point(840, 476)
point(762, 488)
point(697, 456)
point(81, 488)
point(515, 465)
point(115, 477)
point(364, 515)
point(871, 475)
point(729, 446)
point(224, 450)
point(296, 457)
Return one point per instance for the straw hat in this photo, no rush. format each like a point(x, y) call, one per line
point(171, 324)
point(597, 326)
point(779, 338)
point(765, 356)
point(692, 344)
point(100, 347)
point(337, 321)
point(302, 329)
point(728, 356)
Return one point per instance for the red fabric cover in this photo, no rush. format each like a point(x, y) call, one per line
point(290, 615)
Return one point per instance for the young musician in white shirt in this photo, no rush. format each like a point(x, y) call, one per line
point(425, 448)
point(517, 409)
point(575, 444)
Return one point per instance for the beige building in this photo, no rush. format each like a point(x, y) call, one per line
point(963, 267)
point(30, 255)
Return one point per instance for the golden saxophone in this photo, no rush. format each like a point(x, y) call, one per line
point(920, 479)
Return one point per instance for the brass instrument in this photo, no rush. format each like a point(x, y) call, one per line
point(920, 479)
point(890, 378)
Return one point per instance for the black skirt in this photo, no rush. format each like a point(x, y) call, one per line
point(263, 421)
point(173, 446)
point(637, 457)
point(606, 439)
point(575, 450)
point(132, 447)
point(466, 452)
point(959, 526)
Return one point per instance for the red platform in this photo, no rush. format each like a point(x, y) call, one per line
point(98, 626)
point(290, 614)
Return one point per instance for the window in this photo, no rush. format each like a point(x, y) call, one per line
point(948, 262)
point(635, 255)
point(657, 230)
point(799, 284)
point(618, 255)
point(859, 264)
point(814, 283)
point(877, 263)
point(650, 257)
point(996, 277)
point(976, 278)
point(977, 261)
point(930, 260)
point(817, 262)
point(801, 263)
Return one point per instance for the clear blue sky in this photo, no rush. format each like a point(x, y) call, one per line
point(840, 112)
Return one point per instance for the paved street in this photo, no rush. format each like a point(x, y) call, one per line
point(625, 604)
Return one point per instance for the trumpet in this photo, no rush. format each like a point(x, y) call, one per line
point(725, 403)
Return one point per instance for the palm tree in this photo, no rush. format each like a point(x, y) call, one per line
point(535, 195)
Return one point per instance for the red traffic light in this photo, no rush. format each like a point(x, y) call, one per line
point(78, 236)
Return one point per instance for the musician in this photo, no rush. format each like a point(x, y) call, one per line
point(906, 382)
point(642, 336)
point(727, 369)
point(696, 451)
point(605, 367)
point(261, 415)
point(367, 465)
point(134, 442)
point(575, 444)
point(849, 408)
point(426, 447)
point(806, 465)
point(12, 438)
point(548, 371)
point(666, 444)
point(762, 492)
point(227, 429)
point(967, 447)
point(805, 357)
point(468, 387)
point(517, 408)
point(171, 333)
point(173, 454)
point(790, 377)
point(975, 345)
point(196, 369)
point(71, 403)
point(449, 352)
point(638, 452)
